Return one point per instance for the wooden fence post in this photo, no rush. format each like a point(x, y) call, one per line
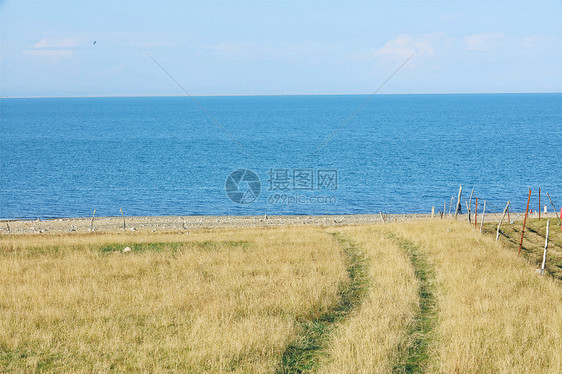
point(382, 217)
point(458, 202)
point(540, 204)
point(444, 209)
point(501, 220)
point(476, 213)
point(524, 222)
point(432, 212)
point(469, 205)
point(123, 216)
point(451, 205)
point(483, 215)
point(545, 247)
point(553, 207)
point(92, 224)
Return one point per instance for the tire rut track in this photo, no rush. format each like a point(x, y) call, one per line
point(303, 354)
point(416, 354)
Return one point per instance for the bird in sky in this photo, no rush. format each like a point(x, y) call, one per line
point(94, 42)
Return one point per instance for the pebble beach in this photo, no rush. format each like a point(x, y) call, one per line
point(183, 223)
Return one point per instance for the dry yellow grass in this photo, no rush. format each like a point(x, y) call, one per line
point(196, 306)
point(370, 341)
point(533, 243)
point(496, 314)
point(233, 300)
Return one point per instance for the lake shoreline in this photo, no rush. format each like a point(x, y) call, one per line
point(186, 223)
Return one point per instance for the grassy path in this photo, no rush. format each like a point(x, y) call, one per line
point(304, 353)
point(416, 355)
point(428, 296)
point(495, 313)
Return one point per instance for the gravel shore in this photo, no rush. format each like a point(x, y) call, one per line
point(181, 223)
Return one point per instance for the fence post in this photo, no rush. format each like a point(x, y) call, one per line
point(501, 220)
point(483, 215)
point(476, 213)
point(432, 212)
point(123, 216)
point(451, 205)
point(92, 224)
point(554, 208)
point(469, 205)
point(540, 204)
point(545, 247)
point(524, 222)
point(458, 202)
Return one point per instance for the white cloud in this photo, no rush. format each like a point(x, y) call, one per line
point(56, 43)
point(484, 41)
point(401, 48)
point(53, 49)
point(404, 46)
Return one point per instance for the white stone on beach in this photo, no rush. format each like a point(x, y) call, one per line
point(127, 249)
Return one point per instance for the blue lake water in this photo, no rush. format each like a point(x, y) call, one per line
point(65, 157)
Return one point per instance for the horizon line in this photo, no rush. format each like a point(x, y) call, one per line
point(253, 95)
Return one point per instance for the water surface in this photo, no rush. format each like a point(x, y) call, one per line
point(65, 157)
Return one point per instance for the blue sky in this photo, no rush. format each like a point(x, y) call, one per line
point(278, 47)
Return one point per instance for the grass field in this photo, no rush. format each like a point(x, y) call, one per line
point(533, 242)
point(433, 296)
